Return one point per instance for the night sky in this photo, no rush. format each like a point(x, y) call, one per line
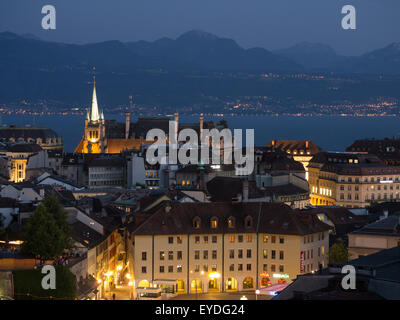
point(272, 24)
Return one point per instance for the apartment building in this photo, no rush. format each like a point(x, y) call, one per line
point(205, 247)
point(352, 180)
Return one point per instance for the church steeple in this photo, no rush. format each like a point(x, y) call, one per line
point(94, 114)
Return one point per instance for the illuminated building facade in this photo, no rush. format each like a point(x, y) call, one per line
point(109, 136)
point(352, 180)
point(225, 247)
point(301, 150)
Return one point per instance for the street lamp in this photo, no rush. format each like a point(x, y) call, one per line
point(257, 293)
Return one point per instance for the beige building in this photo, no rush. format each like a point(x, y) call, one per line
point(374, 237)
point(352, 180)
point(19, 155)
point(205, 247)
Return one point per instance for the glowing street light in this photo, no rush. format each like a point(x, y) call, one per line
point(257, 293)
point(214, 275)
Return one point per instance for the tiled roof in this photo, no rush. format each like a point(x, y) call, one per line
point(295, 145)
point(86, 235)
point(24, 147)
point(389, 226)
point(339, 215)
point(228, 188)
point(26, 132)
point(375, 146)
point(275, 218)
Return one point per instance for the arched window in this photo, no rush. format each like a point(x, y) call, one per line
point(196, 222)
point(214, 222)
point(248, 222)
point(231, 222)
point(248, 283)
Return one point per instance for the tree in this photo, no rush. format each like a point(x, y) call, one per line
point(338, 253)
point(42, 236)
point(54, 208)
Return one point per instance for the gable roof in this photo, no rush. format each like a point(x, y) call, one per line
point(275, 218)
point(389, 226)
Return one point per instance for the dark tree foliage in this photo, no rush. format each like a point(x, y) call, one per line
point(338, 253)
point(46, 233)
point(54, 207)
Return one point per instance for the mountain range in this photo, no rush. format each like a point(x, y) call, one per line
point(30, 67)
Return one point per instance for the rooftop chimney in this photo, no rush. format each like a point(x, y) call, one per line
point(201, 126)
point(245, 190)
point(127, 124)
point(386, 213)
point(176, 120)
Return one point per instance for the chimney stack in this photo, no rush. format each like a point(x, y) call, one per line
point(127, 124)
point(176, 124)
point(245, 190)
point(201, 127)
point(385, 213)
point(307, 144)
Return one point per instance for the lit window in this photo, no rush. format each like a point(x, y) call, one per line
point(196, 223)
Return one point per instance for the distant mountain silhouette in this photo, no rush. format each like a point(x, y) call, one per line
point(312, 55)
point(202, 50)
point(320, 57)
point(166, 71)
point(381, 61)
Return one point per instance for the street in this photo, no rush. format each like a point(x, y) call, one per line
point(221, 296)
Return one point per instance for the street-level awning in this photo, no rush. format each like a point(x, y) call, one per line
point(165, 281)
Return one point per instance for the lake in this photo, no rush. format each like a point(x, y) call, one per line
point(330, 133)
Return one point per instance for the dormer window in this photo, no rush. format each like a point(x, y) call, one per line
point(196, 223)
point(248, 222)
point(231, 222)
point(214, 222)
